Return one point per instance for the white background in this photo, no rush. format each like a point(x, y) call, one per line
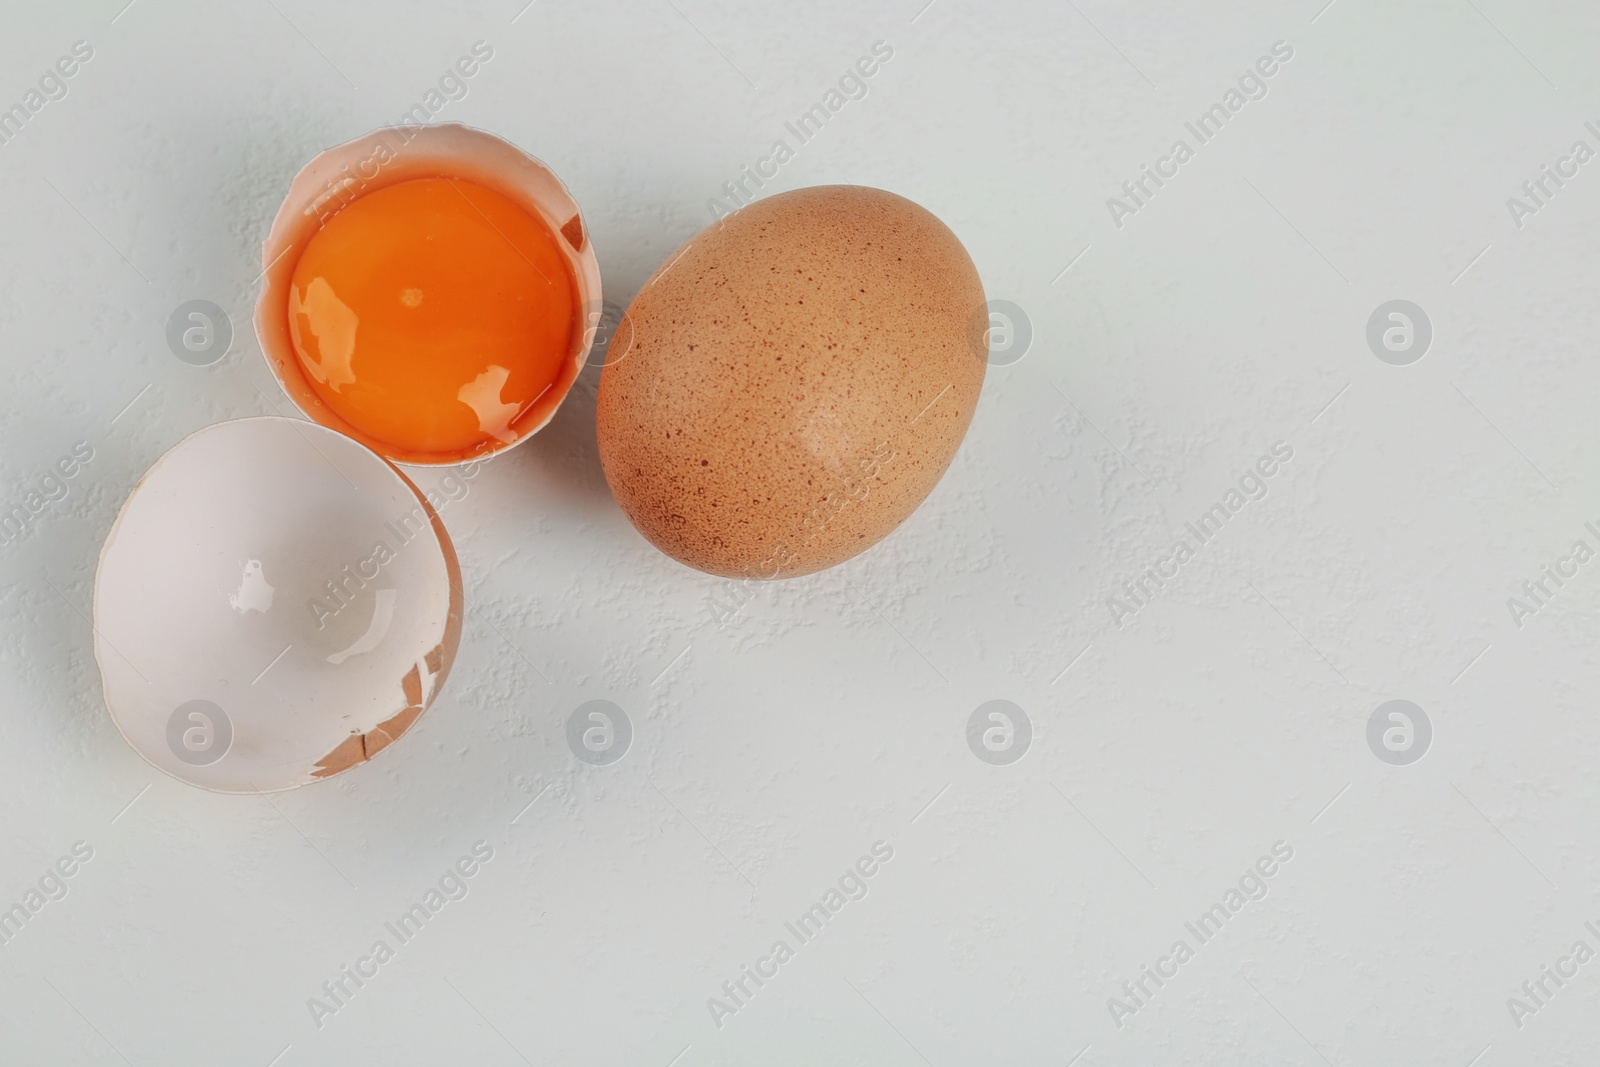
point(769, 753)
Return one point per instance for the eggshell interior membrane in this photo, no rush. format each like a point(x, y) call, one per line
point(790, 385)
point(401, 153)
point(274, 605)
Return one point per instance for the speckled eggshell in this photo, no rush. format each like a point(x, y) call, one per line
point(790, 385)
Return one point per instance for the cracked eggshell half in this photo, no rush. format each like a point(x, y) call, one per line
point(386, 157)
point(274, 604)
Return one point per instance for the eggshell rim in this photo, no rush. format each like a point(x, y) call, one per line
point(295, 224)
point(449, 641)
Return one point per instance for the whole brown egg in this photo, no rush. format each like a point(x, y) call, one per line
point(790, 385)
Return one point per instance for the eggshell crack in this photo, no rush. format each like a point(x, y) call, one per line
point(358, 748)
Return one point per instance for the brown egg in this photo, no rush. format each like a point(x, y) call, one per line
point(789, 386)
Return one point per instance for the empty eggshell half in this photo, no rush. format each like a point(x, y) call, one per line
point(396, 154)
point(274, 604)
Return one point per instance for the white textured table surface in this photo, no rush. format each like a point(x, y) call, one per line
point(1179, 735)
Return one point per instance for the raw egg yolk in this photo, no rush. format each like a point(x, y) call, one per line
point(431, 313)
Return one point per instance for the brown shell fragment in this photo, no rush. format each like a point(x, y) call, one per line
point(573, 232)
point(351, 751)
point(411, 685)
point(385, 733)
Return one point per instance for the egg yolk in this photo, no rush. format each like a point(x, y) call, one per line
point(431, 313)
